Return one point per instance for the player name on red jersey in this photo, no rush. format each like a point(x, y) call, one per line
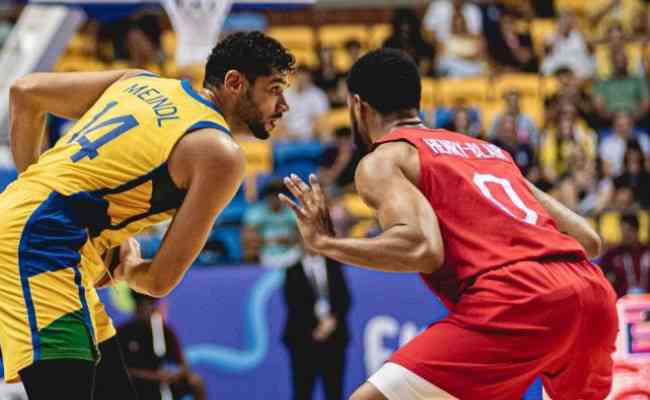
point(465, 149)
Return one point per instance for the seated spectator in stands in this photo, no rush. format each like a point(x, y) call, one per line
point(561, 146)
point(602, 12)
point(407, 36)
point(440, 13)
point(354, 49)
point(154, 357)
point(622, 92)
point(327, 78)
point(339, 162)
point(627, 266)
point(566, 192)
point(461, 122)
point(307, 106)
point(316, 330)
point(635, 173)
point(457, 28)
point(271, 227)
point(513, 50)
point(623, 198)
point(523, 153)
point(612, 147)
point(594, 188)
point(567, 47)
point(570, 91)
point(526, 129)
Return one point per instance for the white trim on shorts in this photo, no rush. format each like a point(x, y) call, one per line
point(398, 383)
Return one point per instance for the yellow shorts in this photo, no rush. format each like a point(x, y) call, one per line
point(48, 306)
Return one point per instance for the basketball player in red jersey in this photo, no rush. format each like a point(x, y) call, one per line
point(511, 263)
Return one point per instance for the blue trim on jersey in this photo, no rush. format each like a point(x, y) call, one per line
point(148, 74)
point(50, 241)
point(190, 90)
point(208, 125)
point(84, 303)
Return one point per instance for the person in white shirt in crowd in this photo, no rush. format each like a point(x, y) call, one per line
point(457, 27)
point(568, 48)
point(612, 147)
point(307, 106)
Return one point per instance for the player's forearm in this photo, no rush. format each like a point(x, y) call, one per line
point(27, 132)
point(397, 249)
point(570, 223)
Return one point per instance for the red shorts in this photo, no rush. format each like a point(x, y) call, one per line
point(554, 319)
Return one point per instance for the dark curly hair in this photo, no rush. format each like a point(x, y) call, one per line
point(388, 80)
point(252, 53)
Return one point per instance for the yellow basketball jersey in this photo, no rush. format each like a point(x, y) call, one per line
point(112, 165)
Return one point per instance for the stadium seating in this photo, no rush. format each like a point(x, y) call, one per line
point(300, 158)
point(528, 85)
point(540, 29)
point(468, 90)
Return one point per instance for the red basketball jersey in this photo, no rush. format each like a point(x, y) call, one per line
point(487, 214)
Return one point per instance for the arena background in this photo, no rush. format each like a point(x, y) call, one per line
point(229, 313)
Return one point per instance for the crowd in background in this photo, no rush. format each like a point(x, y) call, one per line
point(576, 117)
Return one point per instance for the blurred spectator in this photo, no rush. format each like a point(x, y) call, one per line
point(635, 174)
point(561, 147)
point(339, 162)
point(570, 92)
point(407, 36)
point(622, 92)
point(513, 50)
point(594, 188)
point(612, 147)
point(316, 331)
point(327, 78)
point(307, 105)
point(457, 28)
point(154, 357)
point(543, 8)
point(568, 48)
point(270, 229)
point(603, 12)
point(353, 49)
point(526, 130)
point(522, 153)
point(441, 15)
point(627, 265)
point(461, 122)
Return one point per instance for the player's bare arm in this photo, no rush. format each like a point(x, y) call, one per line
point(210, 166)
point(35, 95)
point(569, 222)
point(410, 241)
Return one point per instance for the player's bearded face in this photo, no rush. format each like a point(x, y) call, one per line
point(252, 116)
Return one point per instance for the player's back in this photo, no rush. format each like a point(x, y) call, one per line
point(110, 170)
point(487, 214)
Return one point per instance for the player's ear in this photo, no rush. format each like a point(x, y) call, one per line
point(234, 81)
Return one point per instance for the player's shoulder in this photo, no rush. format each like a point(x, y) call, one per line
point(209, 150)
point(387, 157)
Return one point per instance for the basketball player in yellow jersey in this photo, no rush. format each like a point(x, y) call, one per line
point(144, 149)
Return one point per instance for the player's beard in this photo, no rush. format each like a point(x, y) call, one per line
point(252, 116)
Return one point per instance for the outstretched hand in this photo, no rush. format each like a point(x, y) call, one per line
point(313, 215)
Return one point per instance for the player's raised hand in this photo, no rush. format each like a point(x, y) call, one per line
point(313, 216)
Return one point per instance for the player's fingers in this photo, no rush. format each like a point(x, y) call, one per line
point(308, 195)
point(300, 213)
point(318, 191)
point(294, 189)
point(300, 184)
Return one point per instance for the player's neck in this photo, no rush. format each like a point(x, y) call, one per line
point(403, 119)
